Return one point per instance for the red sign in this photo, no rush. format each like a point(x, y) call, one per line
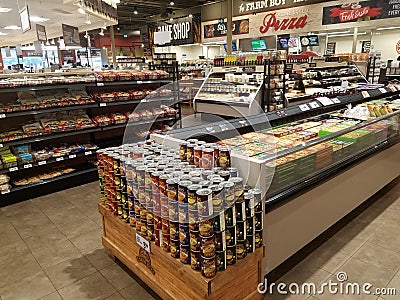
point(354, 14)
point(398, 47)
point(271, 21)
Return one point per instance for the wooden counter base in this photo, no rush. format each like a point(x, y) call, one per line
point(171, 279)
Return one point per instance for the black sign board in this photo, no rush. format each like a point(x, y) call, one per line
point(360, 11)
point(221, 28)
point(366, 46)
point(183, 30)
point(330, 48)
point(71, 35)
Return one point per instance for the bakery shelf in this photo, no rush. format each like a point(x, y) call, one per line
point(46, 110)
point(49, 161)
point(81, 84)
point(117, 126)
point(49, 137)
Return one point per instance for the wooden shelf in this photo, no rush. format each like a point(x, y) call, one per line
point(173, 280)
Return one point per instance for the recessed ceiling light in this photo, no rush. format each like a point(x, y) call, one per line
point(135, 10)
point(101, 32)
point(88, 21)
point(3, 33)
point(172, 3)
point(38, 19)
point(5, 9)
point(12, 27)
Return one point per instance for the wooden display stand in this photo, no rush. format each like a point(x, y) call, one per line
point(171, 279)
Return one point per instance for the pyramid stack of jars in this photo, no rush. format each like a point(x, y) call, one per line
point(190, 201)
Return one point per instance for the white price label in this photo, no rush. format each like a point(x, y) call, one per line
point(88, 153)
point(365, 94)
point(325, 101)
point(143, 243)
point(304, 107)
point(397, 87)
point(383, 90)
point(335, 100)
point(27, 166)
point(314, 105)
point(13, 169)
point(1, 145)
point(100, 84)
point(103, 104)
point(5, 192)
point(59, 158)
point(392, 88)
point(42, 163)
point(72, 156)
point(139, 82)
point(2, 116)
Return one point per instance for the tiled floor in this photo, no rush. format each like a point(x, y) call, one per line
point(50, 248)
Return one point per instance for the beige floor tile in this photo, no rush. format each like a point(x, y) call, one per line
point(55, 253)
point(40, 224)
point(69, 271)
point(53, 206)
point(88, 242)
point(30, 288)
point(67, 216)
point(344, 242)
point(93, 287)
point(387, 237)
point(100, 258)
point(52, 296)
point(135, 291)
point(18, 268)
point(8, 235)
point(394, 283)
point(76, 228)
point(378, 256)
point(13, 250)
point(19, 209)
point(44, 237)
point(116, 296)
point(118, 278)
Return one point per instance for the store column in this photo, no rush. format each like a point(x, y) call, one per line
point(114, 54)
point(229, 25)
point(354, 48)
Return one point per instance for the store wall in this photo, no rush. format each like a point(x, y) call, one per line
point(192, 52)
point(386, 42)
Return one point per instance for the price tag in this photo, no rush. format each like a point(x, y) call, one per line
point(2, 116)
point(27, 166)
point(139, 82)
point(210, 129)
point(59, 158)
point(383, 90)
point(5, 192)
point(103, 104)
point(143, 243)
point(397, 87)
point(1, 145)
point(13, 169)
point(100, 84)
point(365, 94)
point(314, 105)
point(335, 100)
point(42, 163)
point(304, 107)
point(325, 101)
point(88, 153)
point(72, 156)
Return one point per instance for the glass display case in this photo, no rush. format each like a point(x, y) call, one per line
point(231, 92)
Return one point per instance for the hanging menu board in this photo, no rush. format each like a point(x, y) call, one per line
point(330, 48)
point(221, 28)
point(71, 35)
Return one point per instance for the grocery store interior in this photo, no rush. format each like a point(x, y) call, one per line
point(228, 149)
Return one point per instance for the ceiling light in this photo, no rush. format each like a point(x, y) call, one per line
point(38, 19)
point(47, 43)
point(118, 29)
point(86, 35)
point(338, 32)
point(5, 9)
point(81, 11)
point(53, 42)
point(172, 3)
point(101, 32)
point(388, 28)
point(135, 10)
point(347, 34)
point(3, 33)
point(104, 26)
point(171, 19)
point(88, 21)
point(190, 16)
point(12, 27)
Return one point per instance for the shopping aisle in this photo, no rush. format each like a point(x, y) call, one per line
point(50, 248)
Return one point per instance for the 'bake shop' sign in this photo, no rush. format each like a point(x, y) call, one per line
point(281, 23)
point(361, 11)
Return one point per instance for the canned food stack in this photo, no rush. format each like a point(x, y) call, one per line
point(190, 202)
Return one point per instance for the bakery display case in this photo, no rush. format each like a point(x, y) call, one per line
point(49, 113)
point(231, 92)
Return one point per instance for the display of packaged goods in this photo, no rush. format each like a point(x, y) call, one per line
point(166, 199)
point(41, 177)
